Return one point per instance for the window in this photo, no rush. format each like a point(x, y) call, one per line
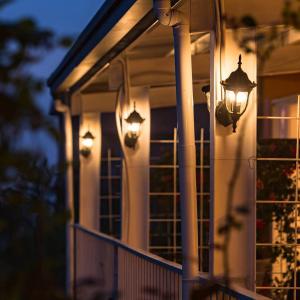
point(277, 204)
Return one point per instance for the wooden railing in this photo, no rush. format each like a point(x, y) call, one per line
point(107, 267)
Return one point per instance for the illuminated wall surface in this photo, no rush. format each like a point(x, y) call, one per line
point(164, 220)
point(277, 203)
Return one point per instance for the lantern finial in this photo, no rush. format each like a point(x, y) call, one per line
point(240, 61)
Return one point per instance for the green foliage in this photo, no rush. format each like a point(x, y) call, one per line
point(32, 212)
point(32, 235)
point(264, 40)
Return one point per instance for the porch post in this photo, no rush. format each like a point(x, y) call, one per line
point(180, 22)
point(135, 179)
point(187, 154)
point(232, 169)
point(65, 110)
point(90, 173)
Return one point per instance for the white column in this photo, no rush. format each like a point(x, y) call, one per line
point(90, 173)
point(187, 155)
point(232, 166)
point(135, 179)
point(180, 22)
point(69, 201)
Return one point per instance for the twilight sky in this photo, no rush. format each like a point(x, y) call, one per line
point(64, 17)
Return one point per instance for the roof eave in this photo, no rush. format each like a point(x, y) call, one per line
point(104, 20)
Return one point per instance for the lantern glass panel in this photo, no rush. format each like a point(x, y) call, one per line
point(87, 142)
point(236, 102)
point(134, 128)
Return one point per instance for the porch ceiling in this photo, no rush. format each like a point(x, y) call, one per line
point(151, 61)
point(118, 24)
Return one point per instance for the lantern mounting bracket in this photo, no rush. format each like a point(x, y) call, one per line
point(130, 141)
point(222, 115)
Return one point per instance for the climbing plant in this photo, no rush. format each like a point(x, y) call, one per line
point(276, 181)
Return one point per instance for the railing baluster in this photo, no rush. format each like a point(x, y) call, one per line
point(115, 272)
point(133, 270)
point(109, 175)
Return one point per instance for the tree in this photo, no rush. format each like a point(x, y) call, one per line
point(32, 213)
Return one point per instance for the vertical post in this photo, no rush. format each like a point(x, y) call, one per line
point(68, 131)
point(175, 193)
point(89, 174)
point(201, 166)
point(187, 155)
point(70, 205)
point(231, 154)
point(297, 194)
point(109, 182)
point(73, 295)
point(115, 295)
point(135, 202)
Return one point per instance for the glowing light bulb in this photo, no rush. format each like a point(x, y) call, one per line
point(88, 142)
point(231, 96)
point(230, 100)
point(134, 128)
point(241, 97)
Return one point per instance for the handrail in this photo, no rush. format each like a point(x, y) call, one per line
point(138, 252)
point(245, 294)
point(234, 291)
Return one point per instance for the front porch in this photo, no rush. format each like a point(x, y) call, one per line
point(118, 271)
point(177, 202)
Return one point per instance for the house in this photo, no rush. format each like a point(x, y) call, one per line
point(165, 195)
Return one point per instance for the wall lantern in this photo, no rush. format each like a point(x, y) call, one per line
point(237, 88)
point(134, 121)
point(87, 144)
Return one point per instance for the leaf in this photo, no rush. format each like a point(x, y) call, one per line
point(65, 41)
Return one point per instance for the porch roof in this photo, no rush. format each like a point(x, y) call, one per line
point(118, 24)
point(115, 25)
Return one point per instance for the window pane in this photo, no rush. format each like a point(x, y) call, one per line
point(161, 207)
point(161, 153)
point(277, 128)
point(161, 180)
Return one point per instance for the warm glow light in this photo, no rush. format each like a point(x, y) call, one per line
point(87, 142)
point(241, 97)
point(134, 121)
point(134, 128)
point(236, 102)
point(237, 88)
point(230, 100)
point(231, 96)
